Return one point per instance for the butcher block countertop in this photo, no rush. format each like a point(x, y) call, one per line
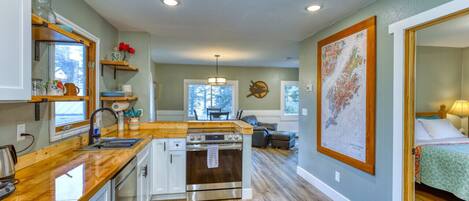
point(48, 177)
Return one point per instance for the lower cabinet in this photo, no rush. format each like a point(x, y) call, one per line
point(169, 166)
point(143, 174)
point(104, 194)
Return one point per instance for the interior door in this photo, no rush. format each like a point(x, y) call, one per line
point(177, 171)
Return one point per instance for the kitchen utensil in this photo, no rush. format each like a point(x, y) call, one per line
point(55, 88)
point(71, 89)
point(8, 159)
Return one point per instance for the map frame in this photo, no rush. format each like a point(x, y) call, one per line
point(368, 165)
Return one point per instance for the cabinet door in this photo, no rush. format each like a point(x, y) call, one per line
point(160, 167)
point(143, 185)
point(104, 194)
point(15, 57)
point(177, 171)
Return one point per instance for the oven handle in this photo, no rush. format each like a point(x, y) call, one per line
point(203, 147)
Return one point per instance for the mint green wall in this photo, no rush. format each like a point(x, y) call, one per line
point(356, 184)
point(170, 78)
point(438, 77)
point(14, 113)
point(142, 79)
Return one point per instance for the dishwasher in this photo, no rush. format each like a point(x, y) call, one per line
point(124, 184)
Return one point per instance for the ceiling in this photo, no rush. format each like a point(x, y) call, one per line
point(453, 33)
point(244, 32)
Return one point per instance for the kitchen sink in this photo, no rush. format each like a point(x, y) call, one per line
point(113, 143)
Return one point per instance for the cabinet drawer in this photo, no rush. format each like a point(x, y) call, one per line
point(177, 144)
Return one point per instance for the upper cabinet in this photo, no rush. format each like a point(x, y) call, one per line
point(15, 55)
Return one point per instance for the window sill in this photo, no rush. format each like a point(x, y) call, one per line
point(285, 117)
point(69, 133)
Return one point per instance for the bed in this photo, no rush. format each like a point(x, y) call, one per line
point(442, 163)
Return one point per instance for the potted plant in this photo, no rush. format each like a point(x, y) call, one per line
point(134, 118)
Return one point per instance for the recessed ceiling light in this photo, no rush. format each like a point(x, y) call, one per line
point(313, 8)
point(170, 2)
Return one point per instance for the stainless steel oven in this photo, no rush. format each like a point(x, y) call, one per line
point(221, 182)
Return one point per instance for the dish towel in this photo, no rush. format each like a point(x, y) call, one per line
point(212, 156)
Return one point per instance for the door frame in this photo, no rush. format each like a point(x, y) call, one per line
point(403, 91)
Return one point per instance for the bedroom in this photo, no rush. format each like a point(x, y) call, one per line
point(442, 108)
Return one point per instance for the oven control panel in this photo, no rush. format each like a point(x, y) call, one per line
point(214, 138)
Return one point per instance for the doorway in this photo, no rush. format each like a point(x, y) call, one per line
point(404, 115)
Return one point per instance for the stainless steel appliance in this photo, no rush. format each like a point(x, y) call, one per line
point(8, 159)
point(222, 182)
point(124, 183)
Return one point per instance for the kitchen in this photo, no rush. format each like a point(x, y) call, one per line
point(64, 157)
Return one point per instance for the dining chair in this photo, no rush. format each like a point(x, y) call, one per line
point(219, 116)
point(195, 115)
point(212, 109)
point(239, 114)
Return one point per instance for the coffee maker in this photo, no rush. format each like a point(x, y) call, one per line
point(8, 159)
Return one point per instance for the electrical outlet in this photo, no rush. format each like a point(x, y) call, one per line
point(304, 112)
point(337, 176)
point(20, 128)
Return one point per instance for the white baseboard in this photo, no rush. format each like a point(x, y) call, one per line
point(247, 194)
point(177, 196)
point(323, 187)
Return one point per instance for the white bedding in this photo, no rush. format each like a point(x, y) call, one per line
point(442, 141)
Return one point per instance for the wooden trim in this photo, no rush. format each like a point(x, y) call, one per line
point(409, 101)
point(71, 126)
point(442, 113)
point(369, 164)
point(38, 99)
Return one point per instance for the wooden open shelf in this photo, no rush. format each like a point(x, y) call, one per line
point(119, 65)
point(123, 98)
point(48, 32)
point(38, 99)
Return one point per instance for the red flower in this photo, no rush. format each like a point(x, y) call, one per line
point(123, 46)
point(60, 85)
point(131, 50)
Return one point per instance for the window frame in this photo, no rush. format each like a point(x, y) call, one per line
point(285, 116)
point(92, 84)
point(235, 95)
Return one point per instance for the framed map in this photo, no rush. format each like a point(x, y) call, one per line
point(346, 95)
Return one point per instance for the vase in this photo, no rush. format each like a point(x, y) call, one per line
point(134, 123)
point(115, 56)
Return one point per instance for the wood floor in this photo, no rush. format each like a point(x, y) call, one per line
point(274, 177)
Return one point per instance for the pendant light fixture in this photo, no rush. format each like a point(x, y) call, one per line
point(217, 80)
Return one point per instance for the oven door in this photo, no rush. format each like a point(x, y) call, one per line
point(227, 175)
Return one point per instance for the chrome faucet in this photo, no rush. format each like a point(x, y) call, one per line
point(91, 131)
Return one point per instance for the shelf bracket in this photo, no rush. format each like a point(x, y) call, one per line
point(37, 112)
point(37, 51)
point(102, 70)
point(115, 72)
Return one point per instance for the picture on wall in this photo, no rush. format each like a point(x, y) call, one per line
point(346, 95)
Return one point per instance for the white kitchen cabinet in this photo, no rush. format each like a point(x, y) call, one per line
point(104, 194)
point(177, 172)
point(143, 174)
point(169, 166)
point(15, 59)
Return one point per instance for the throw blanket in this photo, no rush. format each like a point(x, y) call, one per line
point(445, 167)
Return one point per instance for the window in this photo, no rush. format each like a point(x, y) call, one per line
point(199, 96)
point(290, 98)
point(69, 67)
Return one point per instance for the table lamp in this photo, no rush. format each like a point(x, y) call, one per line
point(460, 108)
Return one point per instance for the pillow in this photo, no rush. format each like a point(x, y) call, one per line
point(440, 128)
point(420, 132)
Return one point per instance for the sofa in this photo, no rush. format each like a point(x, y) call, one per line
point(262, 131)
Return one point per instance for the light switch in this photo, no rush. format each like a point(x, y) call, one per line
point(304, 112)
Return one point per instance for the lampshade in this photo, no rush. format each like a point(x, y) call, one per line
point(460, 108)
